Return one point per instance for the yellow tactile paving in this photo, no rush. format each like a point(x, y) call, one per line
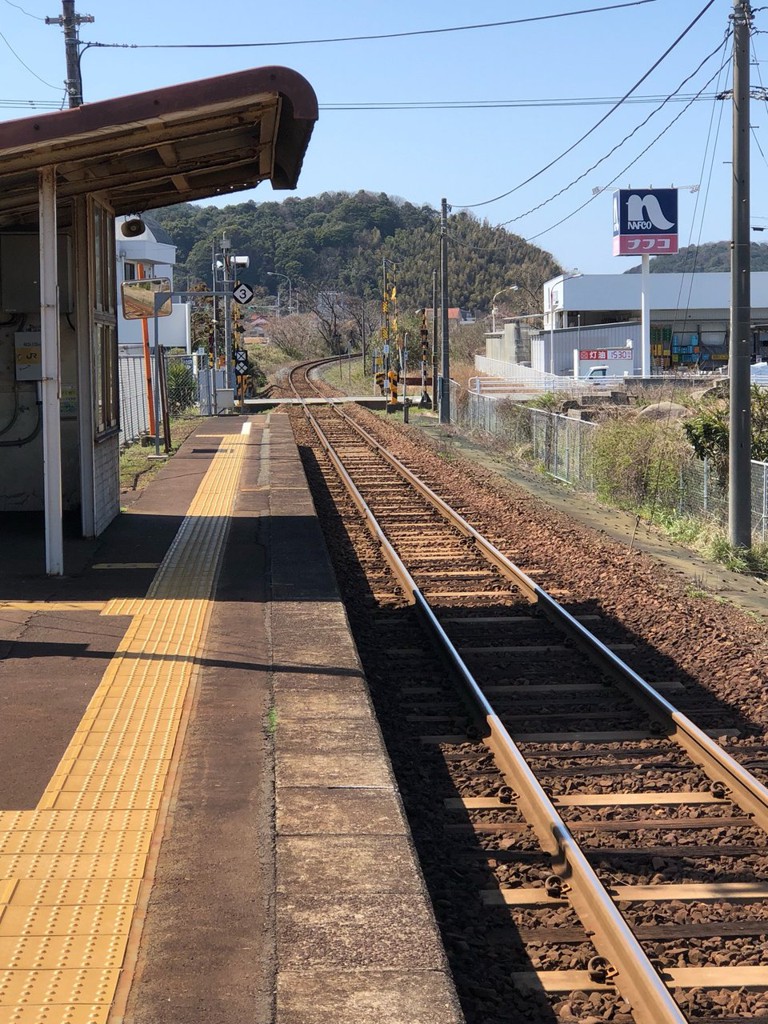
point(73, 1014)
point(52, 606)
point(71, 870)
point(40, 952)
point(126, 565)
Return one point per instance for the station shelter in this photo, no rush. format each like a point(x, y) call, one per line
point(64, 177)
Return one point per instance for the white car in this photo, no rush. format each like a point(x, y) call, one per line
point(758, 374)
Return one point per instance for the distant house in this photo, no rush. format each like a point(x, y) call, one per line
point(151, 253)
point(456, 317)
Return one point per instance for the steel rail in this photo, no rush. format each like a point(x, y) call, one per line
point(629, 968)
point(723, 769)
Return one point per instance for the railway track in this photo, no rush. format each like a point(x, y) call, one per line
point(592, 853)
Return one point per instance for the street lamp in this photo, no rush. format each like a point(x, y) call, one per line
point(274, 273)
point(509, 288)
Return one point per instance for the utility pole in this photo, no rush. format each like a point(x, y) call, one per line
point(435, 360)
point(445, 391)
point(740, 348)
point(70, 21)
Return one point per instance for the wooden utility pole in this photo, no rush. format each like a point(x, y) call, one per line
point(70, 21)
point(740, 349)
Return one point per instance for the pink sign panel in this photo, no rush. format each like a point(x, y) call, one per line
point(636, 245)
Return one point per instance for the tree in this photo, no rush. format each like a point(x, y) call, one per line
point(297, 336)
point(342, 238)
point(201, 319)
point(708, 432)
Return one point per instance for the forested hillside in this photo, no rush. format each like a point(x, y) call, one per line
point(336, 242)
point(708, 258)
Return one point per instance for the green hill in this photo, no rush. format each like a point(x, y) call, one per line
point(708, 258)
point(337, 242)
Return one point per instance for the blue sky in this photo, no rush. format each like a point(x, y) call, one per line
point(466, 155)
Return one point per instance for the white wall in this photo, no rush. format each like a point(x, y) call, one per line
point(703, 296)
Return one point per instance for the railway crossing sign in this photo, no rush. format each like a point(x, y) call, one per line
point(241, 362)
point(242, 293)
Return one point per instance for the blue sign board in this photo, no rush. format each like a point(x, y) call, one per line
point(645, 221)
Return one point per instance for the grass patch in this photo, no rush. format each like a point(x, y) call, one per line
point(272, 720)
point(681, 528)
point(709, 540)
point(750, 561)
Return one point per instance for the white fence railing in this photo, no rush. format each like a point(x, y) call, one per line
point(187, 387)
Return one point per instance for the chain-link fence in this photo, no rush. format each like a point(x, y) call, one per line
point(566, 448)
point(183, 387)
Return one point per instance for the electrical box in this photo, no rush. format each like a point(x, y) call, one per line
point(225, 399)
point(29, 355)
point(20, 273)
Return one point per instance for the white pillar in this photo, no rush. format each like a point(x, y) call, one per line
point(645, 317)
point(50, 385)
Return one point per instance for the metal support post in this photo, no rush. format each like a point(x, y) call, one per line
point(645, 317)
point(50, 385)
point(158, 357)
point(445, 390)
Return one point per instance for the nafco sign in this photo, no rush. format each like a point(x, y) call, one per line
point(645, 221)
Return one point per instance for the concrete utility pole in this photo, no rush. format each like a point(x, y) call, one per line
point(445, 392)
point(435, 354)
point(70, 21)
point(740, 351)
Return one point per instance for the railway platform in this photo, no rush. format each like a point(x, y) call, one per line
point(198, 820)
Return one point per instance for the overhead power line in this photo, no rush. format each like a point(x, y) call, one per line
point(27, 67)
point(635, 87)
point(555, 101)
point(30, 104)
point(624, 170)
point(380, 35)
point(28, 14)
point(613, 181)
point(630, 134)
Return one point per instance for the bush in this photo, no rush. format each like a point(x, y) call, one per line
point(182, 387)
point(638, 462)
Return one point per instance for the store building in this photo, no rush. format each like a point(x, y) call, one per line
point(689, 315)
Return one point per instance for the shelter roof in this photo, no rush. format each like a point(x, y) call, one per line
point(166, 146)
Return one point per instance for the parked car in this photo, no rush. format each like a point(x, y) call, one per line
point(758, 374)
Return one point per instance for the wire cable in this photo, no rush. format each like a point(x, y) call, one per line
point(18, 8)
point(509, 192)
point(764, 98)
point(381, 35)
point(31, 104)
point(616, 177)
point(631, 164)
point(562, 101)
point(29, 69)
point(626, 138)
